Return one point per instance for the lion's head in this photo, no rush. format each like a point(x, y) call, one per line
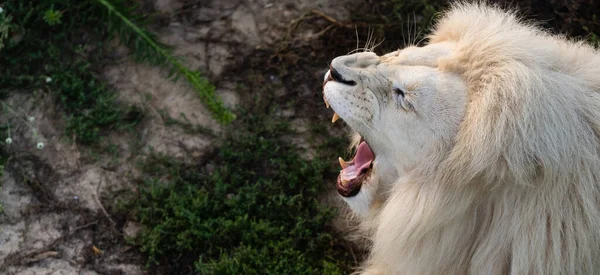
point(402, 106)
point(478, 153)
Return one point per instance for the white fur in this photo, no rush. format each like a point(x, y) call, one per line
point(491, 162)
point(361, 203)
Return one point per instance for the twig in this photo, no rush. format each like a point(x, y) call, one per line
point(294, 24)
point(317, 35)
point(327, 17)
point(40, 257)
point(348, 25)
point(113, 223)
point(82, 227)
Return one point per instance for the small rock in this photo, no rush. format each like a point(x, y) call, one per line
point(167, 6)
point(244, 23)
point(288, 113)
point(210, 169)
point(206, 15)
point(216, 10)
point(133, 229)
point(230, 98)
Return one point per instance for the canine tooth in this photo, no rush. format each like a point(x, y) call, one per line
point(327, 104)
point(335, 118)
point(342, 163)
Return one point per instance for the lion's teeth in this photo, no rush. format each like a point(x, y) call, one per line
point(327, 104)
point(344, 182)
point(335, 118)
point(342, 163)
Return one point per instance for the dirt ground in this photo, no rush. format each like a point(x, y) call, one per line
point(58, 200)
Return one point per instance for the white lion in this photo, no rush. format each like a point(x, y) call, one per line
point(478, 153)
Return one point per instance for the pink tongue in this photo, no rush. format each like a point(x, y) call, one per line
point(362, 161)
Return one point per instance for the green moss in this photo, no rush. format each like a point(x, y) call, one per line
point(252, 210)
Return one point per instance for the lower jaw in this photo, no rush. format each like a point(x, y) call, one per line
point(352, 187)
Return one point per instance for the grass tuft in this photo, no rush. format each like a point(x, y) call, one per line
point(252, 210)
point(159, 55)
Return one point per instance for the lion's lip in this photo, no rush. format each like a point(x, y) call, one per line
point(334, 75)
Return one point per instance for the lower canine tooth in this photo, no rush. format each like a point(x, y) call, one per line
point(335, 118)
point(342, 163)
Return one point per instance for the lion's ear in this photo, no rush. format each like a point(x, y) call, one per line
point(428, 55)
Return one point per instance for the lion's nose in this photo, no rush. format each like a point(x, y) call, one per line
point(347, 68)
point(355, 61)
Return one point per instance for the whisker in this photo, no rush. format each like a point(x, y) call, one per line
point(378, 44)
point(372, 40)
point(357, 49)
point(409, 30)
point(368, 39)
point(402, 31)
point(357, 37)
point(424, 27)
point(422, 38)
point(415, 27)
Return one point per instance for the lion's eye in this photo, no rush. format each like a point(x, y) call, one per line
point(398, 92)
point(401, 101)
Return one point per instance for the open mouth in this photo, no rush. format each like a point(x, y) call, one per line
point(357, 171)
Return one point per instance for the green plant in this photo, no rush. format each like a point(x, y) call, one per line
point(52, 17)
point(91, 104)
point(592, 37)
point(5, 27)
point(157, 53)
point(8, 112)
point(252, 210)
point(57, 47)
point(44, 52)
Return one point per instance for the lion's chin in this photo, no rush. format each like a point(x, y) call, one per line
point(356, 172)
point(352, 187)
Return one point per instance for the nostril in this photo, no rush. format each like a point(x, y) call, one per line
point(336, 76)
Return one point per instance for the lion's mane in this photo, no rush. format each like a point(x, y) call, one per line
point(517, 190)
